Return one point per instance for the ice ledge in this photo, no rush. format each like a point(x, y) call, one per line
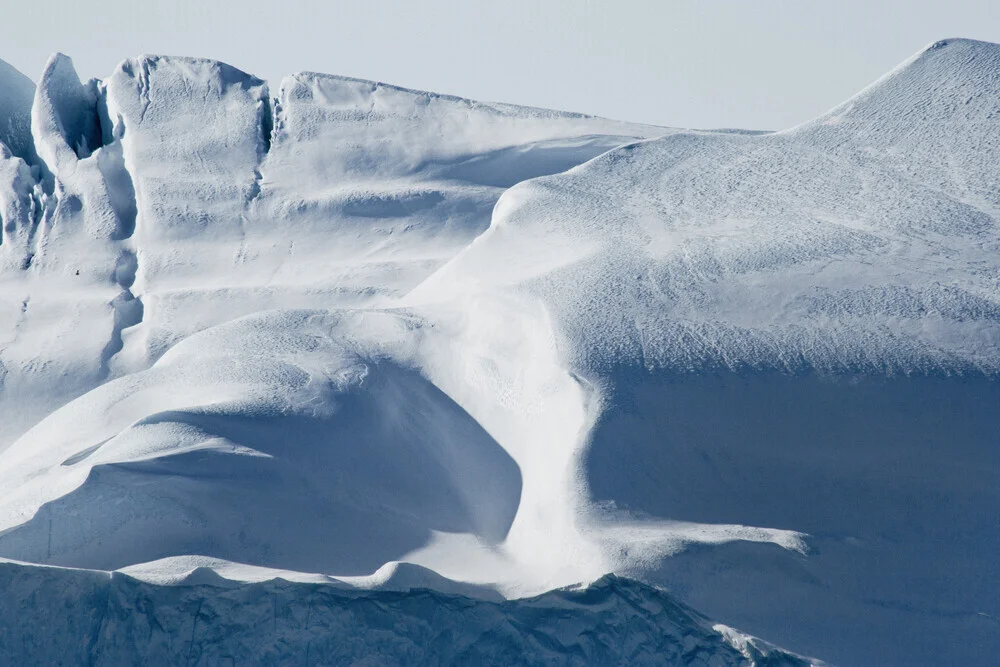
point(112, 618)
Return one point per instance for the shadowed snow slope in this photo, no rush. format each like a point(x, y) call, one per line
point(302, 454)
point(15, 112)
point(798, 331)
point(365, 337)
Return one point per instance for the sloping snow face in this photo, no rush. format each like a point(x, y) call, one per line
point(337, 192)
point(798, 331)
point(362, 337)
point(864, 241)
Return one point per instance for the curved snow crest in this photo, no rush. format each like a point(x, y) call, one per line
point(936, 70)
point(425, 97)
point(863, 245)
point(384, 465)
point(377, 456)
point(383, 131)
point(116, 618)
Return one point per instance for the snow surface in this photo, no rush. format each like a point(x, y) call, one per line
point(798, 331)
point(362, 337)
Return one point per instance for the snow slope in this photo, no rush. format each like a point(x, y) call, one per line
point(15, 109)
point(862, 241)
point(796, 331)
point(360, 335)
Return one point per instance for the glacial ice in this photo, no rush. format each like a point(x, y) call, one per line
point(372, 340)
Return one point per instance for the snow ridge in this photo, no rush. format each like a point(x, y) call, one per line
point(695, 237)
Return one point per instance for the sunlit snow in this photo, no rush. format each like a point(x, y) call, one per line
point(372, 339)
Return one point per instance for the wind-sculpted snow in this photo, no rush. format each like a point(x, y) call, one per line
point(302, 452)
point(797, 331)
point(58, 301)
point(863, 241)
point(158, 196)
point(371, 339)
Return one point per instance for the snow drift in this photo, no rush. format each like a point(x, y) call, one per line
point(354, 335)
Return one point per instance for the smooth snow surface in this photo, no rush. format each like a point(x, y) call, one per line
point(362, 337)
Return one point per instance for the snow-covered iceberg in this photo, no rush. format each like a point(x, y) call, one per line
point(374, 339)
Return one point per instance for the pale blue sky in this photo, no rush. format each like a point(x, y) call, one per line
point(709, 63)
